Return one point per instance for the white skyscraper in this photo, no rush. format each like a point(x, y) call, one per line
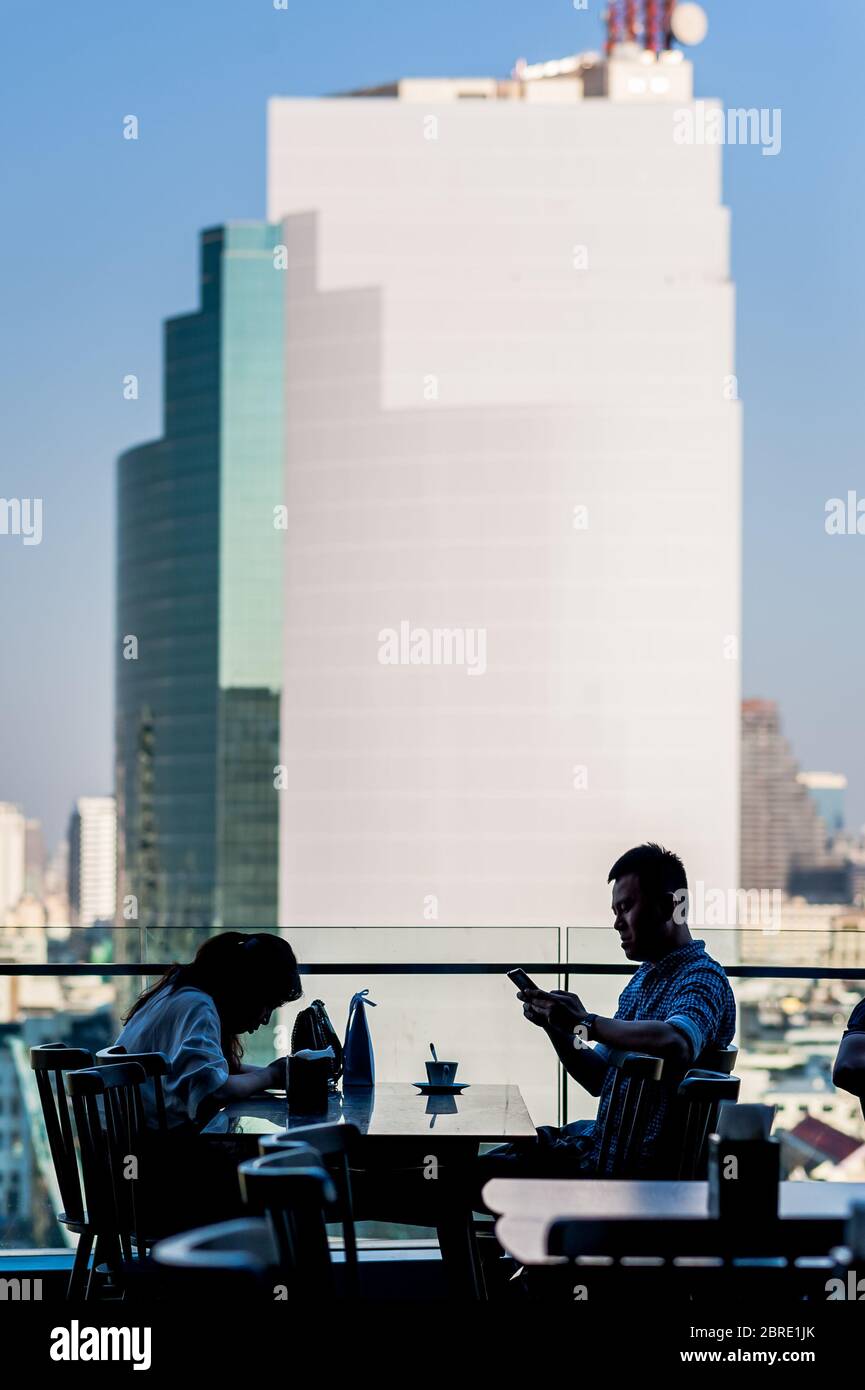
point(512, 485)
point(92, 860)
point(12, 857)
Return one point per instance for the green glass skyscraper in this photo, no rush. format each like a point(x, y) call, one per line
point(199, 609)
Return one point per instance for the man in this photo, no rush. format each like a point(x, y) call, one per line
point(678, 1004)
point(849, 1072)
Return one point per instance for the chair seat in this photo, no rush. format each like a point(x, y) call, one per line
point(74, 1223)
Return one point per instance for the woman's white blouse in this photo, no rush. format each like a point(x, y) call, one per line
point(183, 1023)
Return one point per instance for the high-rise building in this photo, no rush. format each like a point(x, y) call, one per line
point(827, 790)
point(513, 461)
point(781, 829)
point(92, 860)
point(12, 857)
point(34, 858)
point(199, 609)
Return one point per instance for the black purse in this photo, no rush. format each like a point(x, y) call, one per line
point(313, 1029)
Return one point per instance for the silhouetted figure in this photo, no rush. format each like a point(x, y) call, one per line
point(196, 1014)
point(678, 1004)
point(849, 1070)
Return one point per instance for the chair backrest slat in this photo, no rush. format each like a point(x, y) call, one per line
point(51, 1062)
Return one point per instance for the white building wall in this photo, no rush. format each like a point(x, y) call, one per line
point(456, 387)
point(12, 857)
point(97, 854)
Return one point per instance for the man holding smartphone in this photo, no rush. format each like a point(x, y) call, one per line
point(677, 1004)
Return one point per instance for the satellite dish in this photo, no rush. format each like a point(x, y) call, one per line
point(689, 24)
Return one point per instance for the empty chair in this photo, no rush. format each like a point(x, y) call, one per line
point(300, 1155)
point(333, 1142)
point(295, 1201)
point(719, 1059)
point(699, 1098)
point(109, 1119)
point(231, 1259)
point(51, 1062)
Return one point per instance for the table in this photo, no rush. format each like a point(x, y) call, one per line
point(402, 1133)
point(649, 1217)
point(391, 1110)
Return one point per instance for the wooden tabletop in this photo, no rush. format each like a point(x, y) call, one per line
point(485, 1114)
point(528, 1208)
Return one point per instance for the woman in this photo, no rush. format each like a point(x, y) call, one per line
point(196, 1013)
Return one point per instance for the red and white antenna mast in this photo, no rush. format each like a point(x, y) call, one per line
point(614, 32)
point(631, 21)
point(667, 23)
point(651, 37)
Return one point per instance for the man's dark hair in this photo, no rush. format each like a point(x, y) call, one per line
point(659, 870)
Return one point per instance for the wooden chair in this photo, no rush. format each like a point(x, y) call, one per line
point(694, 1100)
point(720, 1059)
point(109, 1119)
point(155, 1064)
point(699, 1097)
point(623, 1121)
point(52, 1062)
point(333, 1143)
point(295, 1202)
point(229, 1260)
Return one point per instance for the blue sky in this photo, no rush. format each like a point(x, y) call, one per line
point(100, 246)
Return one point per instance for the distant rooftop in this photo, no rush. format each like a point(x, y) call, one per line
point(629, 72)
point(823, 781)
point(825, 1139)
point(640, 63)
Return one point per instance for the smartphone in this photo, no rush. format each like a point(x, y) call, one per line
point(521, 979)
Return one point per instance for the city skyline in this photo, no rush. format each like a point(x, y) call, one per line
point(428, 522)
point(56, 745)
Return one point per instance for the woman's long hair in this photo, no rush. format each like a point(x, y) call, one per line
point(240, 972)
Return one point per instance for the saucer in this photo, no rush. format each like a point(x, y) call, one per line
point(451, 1088)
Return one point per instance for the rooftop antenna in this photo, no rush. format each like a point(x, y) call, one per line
point(614, 33)
point(631, 21)
point(667, 22)
point(651, 37)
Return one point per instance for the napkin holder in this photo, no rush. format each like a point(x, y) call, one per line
point(308, 1081)
point(744, 1165)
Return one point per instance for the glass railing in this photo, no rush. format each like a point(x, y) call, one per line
point(446, 985)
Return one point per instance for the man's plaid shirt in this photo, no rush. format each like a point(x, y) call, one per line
point(690, 991)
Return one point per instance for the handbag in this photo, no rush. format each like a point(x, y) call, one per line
point(314, 1030)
